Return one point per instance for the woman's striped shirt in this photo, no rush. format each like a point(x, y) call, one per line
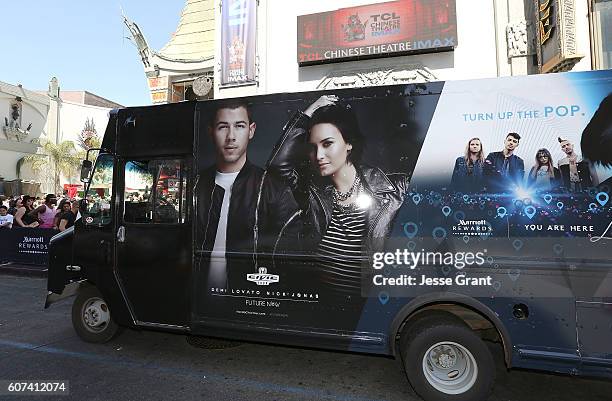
point(340, 253)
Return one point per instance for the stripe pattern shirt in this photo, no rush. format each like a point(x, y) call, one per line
point(340, 253)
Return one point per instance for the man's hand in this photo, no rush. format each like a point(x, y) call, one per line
point(325, 100)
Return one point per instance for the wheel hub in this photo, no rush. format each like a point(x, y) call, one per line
point(450, 367)
point(96, 314)
point(444, 357)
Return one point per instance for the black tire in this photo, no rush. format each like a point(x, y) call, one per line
point(453, 337)
point(89, 305)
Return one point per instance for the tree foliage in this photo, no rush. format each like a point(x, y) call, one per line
point(58, 159)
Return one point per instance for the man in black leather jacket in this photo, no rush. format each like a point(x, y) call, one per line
point(243, 212)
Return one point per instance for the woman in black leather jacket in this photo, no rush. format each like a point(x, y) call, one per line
point(348, 208)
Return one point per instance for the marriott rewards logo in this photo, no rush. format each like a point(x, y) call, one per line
point(262, 277)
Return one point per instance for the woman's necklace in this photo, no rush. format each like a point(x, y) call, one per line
point(343, 196)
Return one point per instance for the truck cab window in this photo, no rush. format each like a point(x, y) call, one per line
point(100, 192)
point(154, 192)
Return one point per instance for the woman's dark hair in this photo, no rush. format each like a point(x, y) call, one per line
point(62, 203)
point(25, 199)
point(596, 140)
point(344, 119)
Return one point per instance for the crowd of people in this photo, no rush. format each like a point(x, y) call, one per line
point(28, 211)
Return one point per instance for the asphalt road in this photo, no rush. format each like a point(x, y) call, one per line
point(37, 344)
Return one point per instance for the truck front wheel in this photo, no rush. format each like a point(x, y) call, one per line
point(91, 316)
point(446, 361)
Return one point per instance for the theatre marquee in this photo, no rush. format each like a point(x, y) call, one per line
point(377, 30)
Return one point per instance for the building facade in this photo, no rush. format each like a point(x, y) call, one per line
point(73, 114)
point(23, 115)
point(271, 46)
point(183, 69)
point(30, 118)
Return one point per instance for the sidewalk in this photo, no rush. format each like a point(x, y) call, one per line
point(23, 270)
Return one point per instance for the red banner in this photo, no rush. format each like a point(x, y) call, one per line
point(377, 30)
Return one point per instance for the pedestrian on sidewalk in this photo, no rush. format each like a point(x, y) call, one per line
point(23, 216)
point(46, 211)
point(6, 220)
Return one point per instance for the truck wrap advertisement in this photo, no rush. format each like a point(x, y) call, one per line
point(351, 200)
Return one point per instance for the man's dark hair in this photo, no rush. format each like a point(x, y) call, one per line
point(231, 104)
point(596, 142)
point(3, 207)
point(49, 196)
point(343, 118)
point(514, 135)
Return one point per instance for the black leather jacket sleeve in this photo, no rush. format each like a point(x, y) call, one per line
point(288, 157)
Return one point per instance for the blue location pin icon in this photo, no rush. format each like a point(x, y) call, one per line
point(466, 198)
point(560, 205)
point(438, 234)
point(502, 212)
point(602, 198)
point(517, 244)
point(548, 198)
point(530, 211)
point(417, 198)
point(459, 215)
point(411, 245)
point(446, 211)
point(410, 229)
point(514, 274)
point(466, 239)
point(383, 297)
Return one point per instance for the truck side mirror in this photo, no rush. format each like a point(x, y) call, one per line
point(86, 170)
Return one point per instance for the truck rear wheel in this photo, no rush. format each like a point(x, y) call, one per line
point(91, 316)
point(446, 361)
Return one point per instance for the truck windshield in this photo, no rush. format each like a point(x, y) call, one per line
point(99, 193)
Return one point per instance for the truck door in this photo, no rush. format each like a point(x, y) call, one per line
point(153, 239)
point(594, 329)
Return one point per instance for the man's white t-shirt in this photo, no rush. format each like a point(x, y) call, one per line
point(217, 275)
point(4, 219)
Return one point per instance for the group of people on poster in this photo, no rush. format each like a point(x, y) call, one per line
point(503, 171)
point(315, 197)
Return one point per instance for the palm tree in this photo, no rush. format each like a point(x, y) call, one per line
point(59, 159)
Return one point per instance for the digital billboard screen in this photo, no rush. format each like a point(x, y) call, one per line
point(377, 30)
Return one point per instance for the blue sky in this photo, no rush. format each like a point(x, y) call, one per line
point(81, 42)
